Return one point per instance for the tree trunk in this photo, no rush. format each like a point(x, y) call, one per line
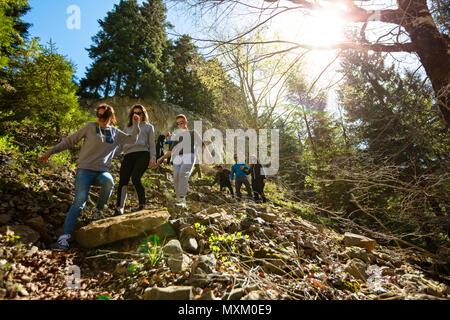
point(108, 87)
point(432, 47)
point(118, 84)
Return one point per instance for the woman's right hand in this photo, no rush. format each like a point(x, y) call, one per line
point(44, 157)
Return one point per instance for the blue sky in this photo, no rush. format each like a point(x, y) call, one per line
point(49, 19)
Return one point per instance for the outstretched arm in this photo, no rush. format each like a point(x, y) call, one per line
point(66, 143)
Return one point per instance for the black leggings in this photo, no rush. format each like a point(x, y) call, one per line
point(133, 165)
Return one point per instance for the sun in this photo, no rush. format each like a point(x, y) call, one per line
point(320, 29)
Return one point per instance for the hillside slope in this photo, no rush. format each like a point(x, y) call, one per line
point(217, 248)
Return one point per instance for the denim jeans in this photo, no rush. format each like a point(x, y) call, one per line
point(83, 182)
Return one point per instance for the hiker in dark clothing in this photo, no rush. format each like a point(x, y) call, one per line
point(170, 143)
point(223, 178)
point(160, 146)
point(258, 180)
point(241, 178)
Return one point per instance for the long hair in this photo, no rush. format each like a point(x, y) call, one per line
point(130, 114)
point(109, 112)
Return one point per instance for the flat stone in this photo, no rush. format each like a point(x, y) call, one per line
point(169, 293)
point(121, 227)
point(351, 239)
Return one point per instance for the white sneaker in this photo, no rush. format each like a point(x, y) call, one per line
point(62, 243)
point(181, 202)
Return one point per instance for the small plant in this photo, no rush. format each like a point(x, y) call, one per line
point(153, 250)
point(224, 241)
point(10, 239)
point(199, 228)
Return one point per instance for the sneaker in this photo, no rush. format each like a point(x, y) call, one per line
point(118, 212)
point(181, 202)
point(96, 215)
point(62, 244)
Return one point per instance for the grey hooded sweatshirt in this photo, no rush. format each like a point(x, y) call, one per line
point(99, 145)
point(145, 140)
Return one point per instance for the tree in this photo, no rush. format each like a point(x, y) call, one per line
point(155, 41)
point(262, 80)
point(411, 18)
point(391, 114)
point(13, 31)
point(127, 52)
point(183, 86)
point(41, 89)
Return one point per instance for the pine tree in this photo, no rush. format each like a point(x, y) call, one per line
point(13, 31)
point(127, 52)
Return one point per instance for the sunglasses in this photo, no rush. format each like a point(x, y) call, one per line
point(138, 113)
point(180, 122)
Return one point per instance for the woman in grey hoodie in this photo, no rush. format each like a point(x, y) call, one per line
point(99, 145)
point(138, 157)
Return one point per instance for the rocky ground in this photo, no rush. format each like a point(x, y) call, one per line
point(217, 248)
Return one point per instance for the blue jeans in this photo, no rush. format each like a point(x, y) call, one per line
point(83, 182)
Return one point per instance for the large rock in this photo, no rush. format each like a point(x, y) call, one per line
point(351, 239)
point(169, 293)
point(121, 227)
point(27, 235)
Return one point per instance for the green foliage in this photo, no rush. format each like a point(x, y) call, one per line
point(128, 52)
point(12, 29)
point(7, 146)
point(40, 89)
point(152, 249)
point(227, 242)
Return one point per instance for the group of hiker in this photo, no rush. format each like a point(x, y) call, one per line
point(102, 141)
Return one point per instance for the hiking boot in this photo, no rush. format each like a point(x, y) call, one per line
point(96, 215)
point(62, 244)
